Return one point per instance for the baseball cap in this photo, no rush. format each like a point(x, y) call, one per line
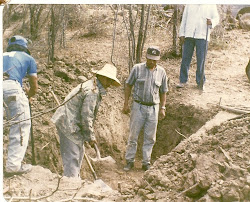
point(19, 40)
point(153, 53)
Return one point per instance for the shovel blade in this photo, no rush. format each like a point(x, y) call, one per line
point(107, 159)
point(102, 185)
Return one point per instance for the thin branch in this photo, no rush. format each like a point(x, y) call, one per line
point(114, 34)
point(131, 59)
point(183, 192)
point(45, 146)
point(146, 27)
point(236, 111)
point(240, 116)
point(180, 134)
point(42, 113)
point(14, 117)
point(58, 183)
point(34, 199)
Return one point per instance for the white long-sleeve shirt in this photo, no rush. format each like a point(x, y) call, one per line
point(194, 20)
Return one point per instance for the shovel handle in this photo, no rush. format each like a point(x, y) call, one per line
point(57, 101)
point(90, 166)
point(98, 155)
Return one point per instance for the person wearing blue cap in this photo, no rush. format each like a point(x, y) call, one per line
point(17, 63)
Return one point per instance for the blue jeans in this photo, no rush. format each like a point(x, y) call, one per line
point(17, 106)
point(72, 156)
point(142, 117)
point(187, 54)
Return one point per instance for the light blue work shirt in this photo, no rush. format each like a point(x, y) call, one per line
point(17, 64)
point(148, 84)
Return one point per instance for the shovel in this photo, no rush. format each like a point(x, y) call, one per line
point(33, 157)
point(97, 182)
point(201, 85)
point(98, 158)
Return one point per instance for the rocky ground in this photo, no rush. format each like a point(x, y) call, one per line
point(200, 155)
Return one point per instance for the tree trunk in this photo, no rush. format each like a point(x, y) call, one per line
point(64, 24)
point(132, 32)
point(35, 13)
point(52, 34)
point(140, 36)
point(146, 27)
point(175, 33)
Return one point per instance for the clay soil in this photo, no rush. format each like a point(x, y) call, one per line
point(199, 155)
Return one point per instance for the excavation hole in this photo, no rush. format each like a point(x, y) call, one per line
point(184, 119)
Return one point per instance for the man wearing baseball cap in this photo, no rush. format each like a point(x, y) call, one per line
point(75, 119)
point(149, 100)
point(17, 63)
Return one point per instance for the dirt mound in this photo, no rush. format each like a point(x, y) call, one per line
point(51, 187)
point(209, 165)
point(212, 166)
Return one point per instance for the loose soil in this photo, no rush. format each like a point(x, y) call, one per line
point(199, 154)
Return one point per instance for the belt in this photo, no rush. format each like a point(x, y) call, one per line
point(145, 103)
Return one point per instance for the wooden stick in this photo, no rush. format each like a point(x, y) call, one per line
point(180, 134)
point(229, 159)
point(183, 192)
point(236, 111)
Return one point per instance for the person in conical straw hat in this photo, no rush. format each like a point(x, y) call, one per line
point(110, 72)
point(74, 120)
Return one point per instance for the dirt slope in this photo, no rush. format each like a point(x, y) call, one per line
point(225, 73)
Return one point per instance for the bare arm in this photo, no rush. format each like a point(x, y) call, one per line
point(163, 98)
point(128, 89)
point(33, 86)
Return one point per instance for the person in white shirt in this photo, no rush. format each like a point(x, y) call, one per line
point(197, 22)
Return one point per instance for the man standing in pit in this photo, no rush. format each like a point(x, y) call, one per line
point(17, 62)
point(150, 88)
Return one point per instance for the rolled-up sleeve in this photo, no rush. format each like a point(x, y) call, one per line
point(215, 18)
point(88, 116)
point(131, 79)
point(164, 86)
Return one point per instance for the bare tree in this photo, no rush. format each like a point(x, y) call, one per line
point(136, 49)
point(146, 26)
point(54, 25)
point(140, 36)
point(7, 13)
point(63, 26)
point(175, 33)
point(132, 32)
point(35, 13)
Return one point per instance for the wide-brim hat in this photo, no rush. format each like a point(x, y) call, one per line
point(110, 72)
point(153, 53)
point(19, 40)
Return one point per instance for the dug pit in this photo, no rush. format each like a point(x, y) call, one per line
point(180, 122)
